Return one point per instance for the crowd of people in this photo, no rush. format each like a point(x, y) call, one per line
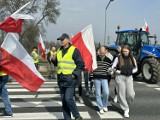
point(68, 65)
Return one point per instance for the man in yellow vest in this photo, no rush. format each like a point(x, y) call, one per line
point(52, 68)
point(4, 94)
point(34, 56)
point(69, 66)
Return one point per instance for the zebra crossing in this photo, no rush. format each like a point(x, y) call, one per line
point(155, 86)
point(46, 104)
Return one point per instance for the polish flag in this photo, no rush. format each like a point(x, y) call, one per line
point(145, 28)
point(84, 42)
point(41, 46)
point(11, 25)
point(17, 63)
point(14, 22)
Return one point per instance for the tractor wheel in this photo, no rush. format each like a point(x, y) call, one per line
point(151, 70)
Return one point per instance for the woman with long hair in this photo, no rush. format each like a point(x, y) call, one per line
point(124, 66)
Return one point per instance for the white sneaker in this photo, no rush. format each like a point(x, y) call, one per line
point(81, 99)
point(105, 109)
point(126, 113)
point(101, 111)
point(115, 99)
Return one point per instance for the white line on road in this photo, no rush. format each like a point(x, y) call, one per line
point(38, 104)
point(35, 96)
point(110, 115)
point(40, 90)
point(42, 115)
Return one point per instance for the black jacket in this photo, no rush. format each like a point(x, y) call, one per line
point(68, 80)
point(48, 57)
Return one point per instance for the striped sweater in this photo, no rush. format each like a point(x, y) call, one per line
point(102, 67)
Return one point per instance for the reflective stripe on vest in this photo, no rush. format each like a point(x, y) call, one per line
point(35, 60)
point(66, 64)
point(2, 74)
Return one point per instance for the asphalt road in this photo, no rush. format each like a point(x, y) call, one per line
point(46, 104)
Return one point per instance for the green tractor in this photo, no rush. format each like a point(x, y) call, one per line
point(147, 55)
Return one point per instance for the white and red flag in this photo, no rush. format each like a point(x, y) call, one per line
point(11, 25)
point(18, 64)
point(41, 46)
point(84, 42)
point(14, 22)
point(145, 27)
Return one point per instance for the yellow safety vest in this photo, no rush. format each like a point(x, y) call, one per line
point(66, 64)
point(2, 74)
point(35, 60)
point(51, 54)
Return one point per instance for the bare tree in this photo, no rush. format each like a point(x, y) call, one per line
point(44, 12)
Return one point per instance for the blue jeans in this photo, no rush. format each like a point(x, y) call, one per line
point(4, 94)
point(86, 77)
point(102, 101)
point(68, 103)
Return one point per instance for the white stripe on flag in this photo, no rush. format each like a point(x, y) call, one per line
point(87, 35)
point(18, 64)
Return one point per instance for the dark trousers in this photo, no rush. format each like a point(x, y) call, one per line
point(68, 103)
point(86, 78)
point(80, 85)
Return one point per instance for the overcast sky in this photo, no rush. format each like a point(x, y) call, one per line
point(129, 14)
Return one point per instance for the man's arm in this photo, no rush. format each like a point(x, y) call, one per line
point(79, 63)
point(48, 57)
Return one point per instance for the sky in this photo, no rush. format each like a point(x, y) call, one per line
point(129, 14)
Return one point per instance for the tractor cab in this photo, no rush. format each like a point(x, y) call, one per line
point(133, 38)
point(147, 55)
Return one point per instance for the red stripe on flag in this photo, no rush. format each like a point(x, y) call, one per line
point(41, 48)
point(20, 72)
point(11, 25)
point(147, 28)
point(78, 42)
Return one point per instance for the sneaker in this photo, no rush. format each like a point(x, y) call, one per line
point(80, 99)
point(101, 111)
point(4, 114)
point(126, 113)
point(115, 99)
point(79, 118)
point(105, 109)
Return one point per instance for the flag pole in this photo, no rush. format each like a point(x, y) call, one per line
point(38, 45)
point(20, 9)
